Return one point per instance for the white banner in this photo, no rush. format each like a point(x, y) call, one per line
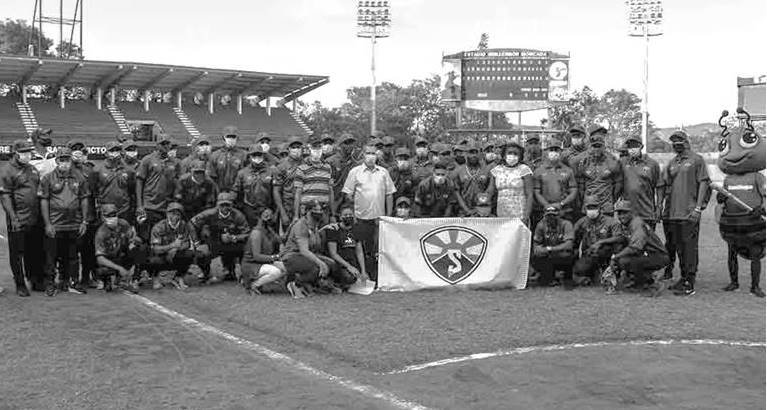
point(435, 253)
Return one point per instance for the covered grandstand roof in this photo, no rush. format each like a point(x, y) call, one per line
point(141, 76)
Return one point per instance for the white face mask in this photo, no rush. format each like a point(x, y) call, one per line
point(113, 154)
point(403, 212)
point(25, 157)
point(490, 156)
point(203, 149)
point(111, 221)
point(78, 156)
point(577, 142)
point(315, 154)
point(295, 153)
point(635, 152)
point(131, 154)
point(64, 166)
point(421, 151)
point(439, 179)
point(265, 146)
point(257, 159)
point(592, 213)
point(230, 142)
point(172, 153)
point(552, 155)
point(327, 148)
point(402, 164)
point(370, 159)
point(512, 159)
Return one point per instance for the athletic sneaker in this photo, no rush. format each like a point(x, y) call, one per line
point(156, 284)
point(100, 285)
point(687, 289)
point(73, 289)
point(179, 283)
point(51, 290)
point(757, 291)
point(80, 287)
point(295, 290)
point(732, 286)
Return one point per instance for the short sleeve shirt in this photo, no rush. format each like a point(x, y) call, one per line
point(315, 181)
point(21, 182)
point(599, 177)
point(681, 179)
point(546, 235)
point(224, 165)
point(64, 191)
point(159, 176)
point(434, 200)
point(114, 183)
point(284, 178)
point(369, 187)
point(112, 243)
point(253, 186)
point(554, 182)
point(590, 231)
point(470, 182)
point(164, 234)
point(346, 243)
point(641, 176)
point(233, 224)
point(301, 230)
point(196, 196)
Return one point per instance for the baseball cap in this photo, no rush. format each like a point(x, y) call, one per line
point(163, 138)
point(230, 130)
point(256, 149)
point(552, 141)
point(444, 148)
point(64, 152)
point(402, 152)
point(377, 134)
point(551, 210)
point(623, 205)
point(108, 210)
point(315, 142)
point(680, 136)
point(421, 141)
point(295, 140)
point(263, 136)
point(22, 146)
point(591, 201)
point(533, 137)
point(387, 140)
point(403, 200)
point(346, 137)
point(375, 142)
point(114, 146)
point(488, 144)
point(597, 139)
point(197, 165)
point(224, 198)
point(577, 129)
point(483, 199)
point(633, 138)
point(174, 206)
point(75, 145)
point(326, 138)
point(597, 129)
point(460, 147)
point(202, 140)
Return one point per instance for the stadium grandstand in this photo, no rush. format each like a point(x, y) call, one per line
point(97, 101)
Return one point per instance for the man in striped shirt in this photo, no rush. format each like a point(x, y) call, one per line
point(314, 182)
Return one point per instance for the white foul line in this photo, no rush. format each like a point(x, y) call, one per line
point(365, 390)
point(549, 348)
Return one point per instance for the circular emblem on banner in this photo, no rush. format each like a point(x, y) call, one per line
point(453, 252)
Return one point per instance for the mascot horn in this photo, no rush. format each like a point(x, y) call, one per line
point(741, 198)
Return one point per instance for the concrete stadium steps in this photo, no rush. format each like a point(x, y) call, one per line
point(301, 122)
point(161, 113)
point(27, 117)
point(11, 123)
point(188, 124)
point(119, 119)
point(79, 119)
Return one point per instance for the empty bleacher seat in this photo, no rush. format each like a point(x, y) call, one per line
point(79, 119)
point(10, 122)
point(159, 112)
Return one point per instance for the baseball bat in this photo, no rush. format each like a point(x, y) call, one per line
point(734, 198)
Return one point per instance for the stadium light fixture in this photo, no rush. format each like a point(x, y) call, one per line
point(645, 19)
point(374, 22)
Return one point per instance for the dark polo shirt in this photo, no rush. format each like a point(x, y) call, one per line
point(434, 199)
point(554, 183)
point(64, 191)
point(681, 178)
point(114, 183)
point(641, 176)
point(253, 186)
point(20, 182)
point(159, 176)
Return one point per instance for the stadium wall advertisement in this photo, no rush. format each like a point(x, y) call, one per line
point(417, 254)
point(505, 80)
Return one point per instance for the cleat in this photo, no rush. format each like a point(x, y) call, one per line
point(757, 291)
point(732, 286)
point(80, 288)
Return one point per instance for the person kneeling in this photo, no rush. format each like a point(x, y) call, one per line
point(553, 247)
point(172, 246)
point(346, 250)
point(261, 266)
point(644, 254)
point(118, 249)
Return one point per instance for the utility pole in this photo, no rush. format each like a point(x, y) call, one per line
point(373, 20)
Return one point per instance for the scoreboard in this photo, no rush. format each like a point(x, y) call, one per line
point(506, 79)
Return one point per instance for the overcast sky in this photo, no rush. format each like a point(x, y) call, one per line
point(693, 66)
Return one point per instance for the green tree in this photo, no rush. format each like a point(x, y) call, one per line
point(15, 38)
point(69, 50)
point(484, 39)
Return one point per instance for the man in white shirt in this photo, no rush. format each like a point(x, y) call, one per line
point(371, 189)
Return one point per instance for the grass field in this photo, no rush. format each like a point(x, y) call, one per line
point(113, 351)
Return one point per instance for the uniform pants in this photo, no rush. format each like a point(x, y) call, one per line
point(180, 262)
point(549, 264)
point(641, 266)
point(682, 241)
point(126, 260)
point(152, 218)
point(303, 270)
point(591, 265)
point(368, 235)
point(25, 254)
point(61, 252)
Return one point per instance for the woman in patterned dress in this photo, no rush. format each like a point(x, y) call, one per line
point(511, 183)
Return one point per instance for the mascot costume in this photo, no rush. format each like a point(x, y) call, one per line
point(741, 198)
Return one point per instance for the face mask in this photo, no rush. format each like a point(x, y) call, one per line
point(230, 142)
point(347, 148)
point(635, 152)
point(256, 159)
point(78, 156)
point(370, 159)
point(490, 156)
point(64, 166)
point(131, 154)
point(265, 146)
point(315, 154)
point(402, 164)
point(596, 152)
point(172, 153)
point(295, 153)
point(347, 220)
point(552, 155)
point(512, 160)
point(439, 179)
point(174, 219)
point(203, 149)
point(25, 157)
point(434, 159)
point(379, 153)
point(113, 155)
point(110, 221)
point(403, 212)
point(577, 142)
point(421, 151)
point(327, 148)
point(592, 213)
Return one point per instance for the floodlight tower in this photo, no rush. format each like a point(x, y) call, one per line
point(373, 21)
point(76, 22)
point(645, 18)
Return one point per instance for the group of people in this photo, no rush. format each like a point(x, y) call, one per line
point(302, 217)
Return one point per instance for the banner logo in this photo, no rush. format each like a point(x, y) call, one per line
point(453, 252)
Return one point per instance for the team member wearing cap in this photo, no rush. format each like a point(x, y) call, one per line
point(469, 177)
point(483, 208)
point(261, 264)
point(511, 184)
point(155, 182)
point(445, 154)
point(598, 173)
point(554, 182)
point(115, 183)
point(402, 174)
point(598, 236)
point(553, 247)
point(117, 250)
point(686, 192)
point(459, 152)
point(201, 153)
point(224, 229)
point(19, 182)
point(422, 165)
point(533, 151)
point(341, 161)
point(195, 190)
point(641, 182)
point(490, 156)
point(437, 196)
point(328, 146)
point(80, 163)
point(42, 143)
point(371, 189)
point(402, 208)
point(644, 253)
point(284, 191)
point(173, 246)
point(226, 161)
point(577, 145)
point(264, 140)
point(63, 197)
point(387, 161)
point(346, 249)
point(254, 186)
point(130, 155)
point(313, 182)
point(282, 152)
